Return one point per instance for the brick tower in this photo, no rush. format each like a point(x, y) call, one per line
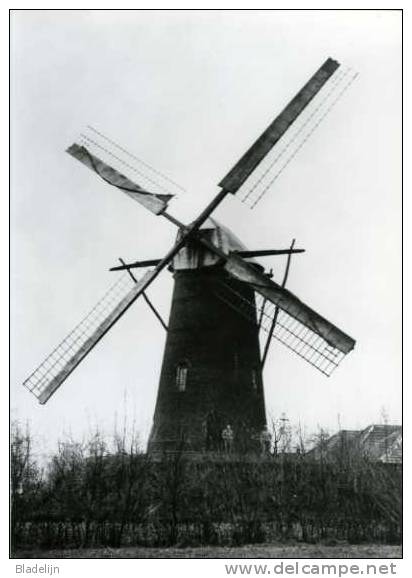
point(211, 373)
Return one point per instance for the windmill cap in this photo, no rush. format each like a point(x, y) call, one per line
point(226, 240)
point(194, 257)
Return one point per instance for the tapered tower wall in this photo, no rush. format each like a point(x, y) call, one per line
point(211, 374)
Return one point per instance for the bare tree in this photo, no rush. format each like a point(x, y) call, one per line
point(25, 477)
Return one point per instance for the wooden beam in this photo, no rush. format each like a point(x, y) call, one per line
point(275, 316)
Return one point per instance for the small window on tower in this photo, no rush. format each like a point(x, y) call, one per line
point(181, 376)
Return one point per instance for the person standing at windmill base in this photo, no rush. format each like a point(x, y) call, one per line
point(265, 442)
point(227, 436)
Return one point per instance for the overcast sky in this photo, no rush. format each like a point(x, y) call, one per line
point(188, 92)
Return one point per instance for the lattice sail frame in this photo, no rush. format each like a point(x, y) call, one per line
point(57, 366)
point(263, 178)
point(289, 331)
point(263, 163)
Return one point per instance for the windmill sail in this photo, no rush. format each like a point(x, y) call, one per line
point(297, 326)
point(296, 319)
point(262, 179)
point(91, 137)
point(256, 153)
point(289, 331)
point(156, 203)
point(48, 377)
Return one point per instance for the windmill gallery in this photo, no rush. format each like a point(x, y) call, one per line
point(210, 395)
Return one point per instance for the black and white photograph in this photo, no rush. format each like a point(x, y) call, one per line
point(206, 286)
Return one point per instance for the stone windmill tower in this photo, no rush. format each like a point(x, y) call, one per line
point(211, 376)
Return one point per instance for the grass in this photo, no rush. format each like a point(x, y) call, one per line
point(297, 550)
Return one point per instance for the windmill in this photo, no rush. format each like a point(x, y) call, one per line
point(211, 377)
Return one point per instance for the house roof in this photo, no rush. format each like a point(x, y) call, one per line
point(380, 442)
